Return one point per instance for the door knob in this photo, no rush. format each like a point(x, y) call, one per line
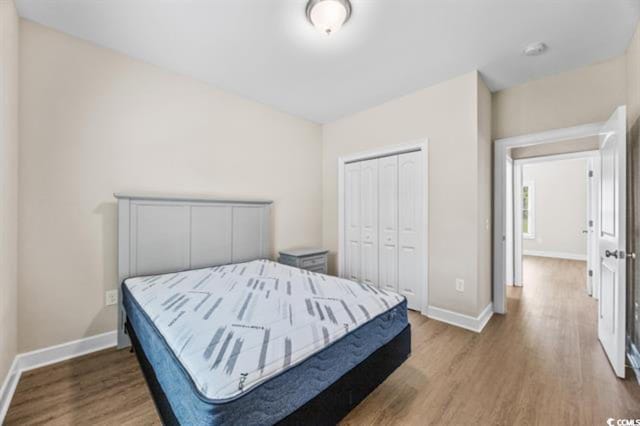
point(631, 256)
point(608, 253)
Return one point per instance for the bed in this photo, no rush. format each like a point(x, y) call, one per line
point(225, 336)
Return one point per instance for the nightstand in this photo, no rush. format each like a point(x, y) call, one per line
point(311, 259)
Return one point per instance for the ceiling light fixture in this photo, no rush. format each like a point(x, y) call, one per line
point(328, 16)
point(535, 49)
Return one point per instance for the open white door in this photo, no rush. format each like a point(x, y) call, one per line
point(612, 239)
point(592, 225)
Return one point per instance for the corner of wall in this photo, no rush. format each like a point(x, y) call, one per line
point(485, 173)
point(8, 193)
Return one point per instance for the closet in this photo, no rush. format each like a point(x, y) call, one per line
point(383, 221)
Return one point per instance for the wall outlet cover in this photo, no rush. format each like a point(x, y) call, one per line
point(111, 297)
point(459, 284)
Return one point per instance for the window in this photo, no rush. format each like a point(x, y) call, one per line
point(528, 213)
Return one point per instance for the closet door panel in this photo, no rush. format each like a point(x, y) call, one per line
point(409, 227)
point(388, 218)
point(369, 217)
point(352, 221)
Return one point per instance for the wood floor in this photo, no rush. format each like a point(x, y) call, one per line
point(539, 364)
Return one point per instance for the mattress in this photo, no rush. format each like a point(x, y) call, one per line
point(252, 342)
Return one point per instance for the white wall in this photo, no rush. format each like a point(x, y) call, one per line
point(448, 115)
point(94, 122)
point(560, 206)
point(8, 184)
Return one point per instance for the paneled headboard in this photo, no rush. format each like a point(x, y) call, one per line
point(158, 234)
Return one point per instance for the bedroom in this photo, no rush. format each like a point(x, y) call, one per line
point(129, 97)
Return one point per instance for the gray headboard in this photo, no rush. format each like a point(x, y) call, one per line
point(158, 234)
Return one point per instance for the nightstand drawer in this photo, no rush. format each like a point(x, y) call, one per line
point(310, 262)
point(322, 269)
point(314, 260)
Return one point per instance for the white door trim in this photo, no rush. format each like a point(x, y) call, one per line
point(517, 224)
point(499, 206)
point(419, 145)
point(510, 235)
point(559, 157)
point(519, 250)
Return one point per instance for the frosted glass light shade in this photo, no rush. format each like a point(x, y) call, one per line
point(328, 16)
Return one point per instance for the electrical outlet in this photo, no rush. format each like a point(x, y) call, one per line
point(459, 284)
point(111, 297)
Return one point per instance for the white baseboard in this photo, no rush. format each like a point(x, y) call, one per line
point(460, 320)
point(51, 355)
point(555, 254)
point(8, 388)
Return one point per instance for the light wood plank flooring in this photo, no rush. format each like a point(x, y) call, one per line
point(540, 364)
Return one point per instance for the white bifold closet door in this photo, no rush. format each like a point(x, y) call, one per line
point(369, 225)
point(352, 221)
point(409, 227)
point(388, 210)
point(383, 224)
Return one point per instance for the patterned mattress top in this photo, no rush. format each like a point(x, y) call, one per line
point(233, 327)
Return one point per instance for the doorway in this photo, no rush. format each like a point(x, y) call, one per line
point(610, 230)
point(552, 210)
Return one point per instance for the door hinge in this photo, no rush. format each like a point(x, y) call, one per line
point(590, 173)
point(590, 272)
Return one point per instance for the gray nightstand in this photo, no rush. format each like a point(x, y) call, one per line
point(311, 259)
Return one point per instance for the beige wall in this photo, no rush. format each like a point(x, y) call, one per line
point(94, 122)
point(485, 201)
point(560, 206)
point(447, 114)
point(8, 184)
point(633, 79)
point(633, 114)
point(585, 95)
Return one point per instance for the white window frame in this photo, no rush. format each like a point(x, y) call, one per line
point(531, 220)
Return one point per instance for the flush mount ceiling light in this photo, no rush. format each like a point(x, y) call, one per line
point(328, 16)
point(535, 49)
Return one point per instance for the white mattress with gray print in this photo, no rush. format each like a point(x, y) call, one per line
point(233, 327)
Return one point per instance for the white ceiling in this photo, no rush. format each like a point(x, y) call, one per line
point(266, 50)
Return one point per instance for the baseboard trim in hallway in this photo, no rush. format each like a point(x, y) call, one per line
point(460, 320)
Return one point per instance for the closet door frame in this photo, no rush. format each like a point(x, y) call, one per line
point(419, 145)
